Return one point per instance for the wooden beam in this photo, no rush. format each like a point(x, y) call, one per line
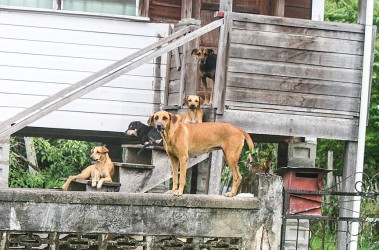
point(222, 68)
point(277, 7)
point(186, 9)
point(226, 5)
point(143, 8)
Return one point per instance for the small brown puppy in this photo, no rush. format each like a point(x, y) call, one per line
point(101, 171)
point(194, 113)
point(207, 60)
point(185, 140)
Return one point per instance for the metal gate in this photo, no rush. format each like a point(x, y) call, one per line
point(332, 229)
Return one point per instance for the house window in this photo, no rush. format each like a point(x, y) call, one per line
point(116, 7)
point(44, 4)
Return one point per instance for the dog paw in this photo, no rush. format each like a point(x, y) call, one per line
point(93, 184)
point(99, 185)
point(230, 194)
point(177, 193)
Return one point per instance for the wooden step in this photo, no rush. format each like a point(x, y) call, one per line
point(133, 165)
point(141, 173)
point(85, 185)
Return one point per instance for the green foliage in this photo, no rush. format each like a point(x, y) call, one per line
point(57, 159)
point(263, 159)
point(346, 11)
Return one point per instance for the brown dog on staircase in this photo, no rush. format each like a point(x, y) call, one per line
point(194, 113)
point(207, 60)
point(185, 140)
point(101, 171)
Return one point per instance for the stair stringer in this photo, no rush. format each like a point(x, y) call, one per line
point(141, 180)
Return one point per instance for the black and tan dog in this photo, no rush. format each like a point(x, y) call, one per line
point(194, 113)
point(207, 60)
point(185, 140)
point(148, 136)
point(101, 171)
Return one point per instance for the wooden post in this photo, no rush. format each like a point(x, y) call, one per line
point(277, 8)
point(347, 185)
point(186, 9)
point(143, 8)
point(366, 13)
point(226, 5)
point(222, 62)
point(215, 172)
point(4, 162)
point(30, 154)
point(329, 176)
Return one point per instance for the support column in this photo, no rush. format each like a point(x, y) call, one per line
point(4, 162)
point(298, 154)
point(215, 172)
point(346, 202)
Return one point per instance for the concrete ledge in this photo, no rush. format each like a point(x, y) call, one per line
point(133, 199)
point(254, 222)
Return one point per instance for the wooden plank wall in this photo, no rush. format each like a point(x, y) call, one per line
point(298, 9)
point(167, 11)
point(44, 52)
point(298, 77)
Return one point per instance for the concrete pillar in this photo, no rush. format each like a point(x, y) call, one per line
point(298, 154)
point(302, 154)
point(4, 162)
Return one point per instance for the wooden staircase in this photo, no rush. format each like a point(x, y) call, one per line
point(146, 172)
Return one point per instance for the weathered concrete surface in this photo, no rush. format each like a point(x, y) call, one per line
point(255, 220)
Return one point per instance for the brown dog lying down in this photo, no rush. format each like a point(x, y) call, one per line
point(184, 140)
point(194, 113)
point(101, 171)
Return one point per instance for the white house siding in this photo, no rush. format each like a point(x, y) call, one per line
point(44, 52)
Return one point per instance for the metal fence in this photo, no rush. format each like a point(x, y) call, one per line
point(308, 224)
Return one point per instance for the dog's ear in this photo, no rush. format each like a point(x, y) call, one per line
point(210, 51)
point(150, 121)
point(104, 149)
point(173, 118)
point(201, 100)
point(194, 51)
point(185, 100)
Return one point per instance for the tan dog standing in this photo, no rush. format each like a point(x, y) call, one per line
point(194, 113)
point(184, 140)
point(101, 171)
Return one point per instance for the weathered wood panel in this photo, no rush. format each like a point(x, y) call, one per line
point(291, 124)
point(298, 9)
point(294, 70)
point(292, 85)
point(168, 11)
point(302, 78)
point(45, 52)
point(308, 57)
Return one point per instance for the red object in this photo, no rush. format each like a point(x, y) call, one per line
point(219, 14)
point(308, 179)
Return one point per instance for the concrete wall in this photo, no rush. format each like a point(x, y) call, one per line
point(248, 223)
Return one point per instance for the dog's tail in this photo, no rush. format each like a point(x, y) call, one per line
point(249, 141)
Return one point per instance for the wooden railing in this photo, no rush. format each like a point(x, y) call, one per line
point(102, 77)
